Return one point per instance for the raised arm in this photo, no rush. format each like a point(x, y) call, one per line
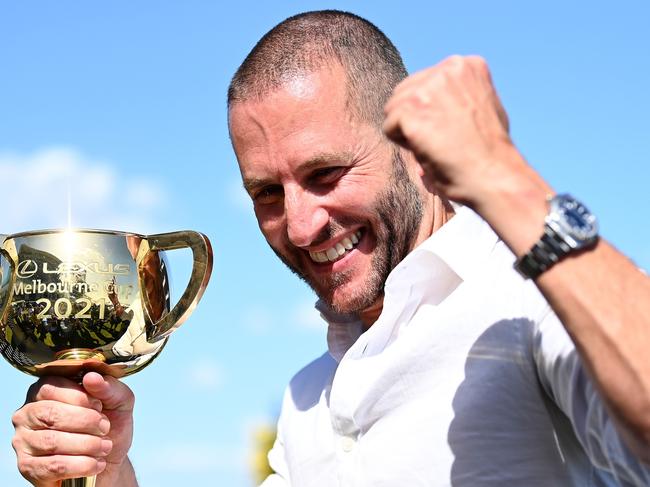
point(451, 118)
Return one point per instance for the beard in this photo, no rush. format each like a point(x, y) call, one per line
point(399, 208)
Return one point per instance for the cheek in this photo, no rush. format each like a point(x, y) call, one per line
point(358, 196)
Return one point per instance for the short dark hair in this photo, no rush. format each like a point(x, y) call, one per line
point(311, 40)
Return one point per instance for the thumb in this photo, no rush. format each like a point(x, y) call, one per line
point(114, 394)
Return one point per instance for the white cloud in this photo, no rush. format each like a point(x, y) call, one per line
point(142, 194)
point(307, 317)
point(206, 374)
point(39, 189)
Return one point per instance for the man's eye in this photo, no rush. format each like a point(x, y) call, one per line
point(267, 195)
point(327, 175)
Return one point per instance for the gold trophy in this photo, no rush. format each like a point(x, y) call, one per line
point(73, 301)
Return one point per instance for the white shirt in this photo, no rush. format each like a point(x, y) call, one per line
point(467, 379)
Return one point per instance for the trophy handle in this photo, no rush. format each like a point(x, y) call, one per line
point(201, 269)
point(5, 302)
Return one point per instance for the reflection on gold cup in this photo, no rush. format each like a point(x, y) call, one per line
point(73, 301)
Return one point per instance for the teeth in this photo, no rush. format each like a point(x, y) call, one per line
point(332, 254)
point(319, 256)
point(337, 251)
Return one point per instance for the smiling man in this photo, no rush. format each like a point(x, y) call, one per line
point(333, 197)
point(445, 365)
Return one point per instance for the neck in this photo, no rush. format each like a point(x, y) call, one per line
point(369, 315)
point(440, 213)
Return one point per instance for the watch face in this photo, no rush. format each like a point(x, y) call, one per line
point(575, 218)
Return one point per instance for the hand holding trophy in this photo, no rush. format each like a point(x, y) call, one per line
point(73, 301)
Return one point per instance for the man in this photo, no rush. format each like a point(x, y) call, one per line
point(445, 366)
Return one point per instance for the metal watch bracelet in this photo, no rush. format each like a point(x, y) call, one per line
point(546, 252)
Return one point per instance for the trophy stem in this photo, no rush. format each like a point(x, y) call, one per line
point(80, 354)
point(80, 482)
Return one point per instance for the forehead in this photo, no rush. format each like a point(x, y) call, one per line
point(307, 115)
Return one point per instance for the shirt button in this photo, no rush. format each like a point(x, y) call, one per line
point(347, 444)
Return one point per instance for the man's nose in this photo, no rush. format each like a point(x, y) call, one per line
point(305, 215)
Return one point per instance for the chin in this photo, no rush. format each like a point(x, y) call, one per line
point(345, 300)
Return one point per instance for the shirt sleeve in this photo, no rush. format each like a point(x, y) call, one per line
point(567, 382)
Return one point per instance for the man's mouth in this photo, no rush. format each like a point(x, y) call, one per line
point(338, 250)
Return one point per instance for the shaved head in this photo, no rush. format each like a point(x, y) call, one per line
point(312, 41)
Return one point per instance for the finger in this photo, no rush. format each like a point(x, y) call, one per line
point(393, 131)
point(420, 92)
point(114, 394)
point(501, 113)
point(447, 65)
point(53, 415)
point(396, 127)
point(397, 101)
point(428, 94)
point(414, 79)
point(39, 470)
point(431, 72)
point(48, 442)
point(62, 390)
point(483, 76)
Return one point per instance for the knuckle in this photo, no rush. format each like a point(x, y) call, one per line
point(481, 65)
point(26, 466)
point(47, 442)
point(478, 65)
point(47, 416)
point(55, 468)
point(37, 470)
point(18, 418)
point(17, 443)
point(455, 65)
point(477, 60)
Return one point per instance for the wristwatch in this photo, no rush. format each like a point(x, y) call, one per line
point(568, 227)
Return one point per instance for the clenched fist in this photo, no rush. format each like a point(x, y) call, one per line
point(451, 118)
point(66, 430)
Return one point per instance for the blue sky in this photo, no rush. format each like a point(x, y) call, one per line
point(124, 102)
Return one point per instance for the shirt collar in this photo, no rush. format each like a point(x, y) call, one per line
point(462, 243)
point(458, 247)
point(342, 331)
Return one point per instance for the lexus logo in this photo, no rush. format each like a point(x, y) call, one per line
point(26, 269)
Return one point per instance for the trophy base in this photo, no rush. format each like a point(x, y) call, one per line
point(80, 354)
point(75, 362)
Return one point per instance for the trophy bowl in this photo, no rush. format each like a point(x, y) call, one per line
point(73, 301)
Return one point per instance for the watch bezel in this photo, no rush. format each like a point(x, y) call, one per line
point(563, 210)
